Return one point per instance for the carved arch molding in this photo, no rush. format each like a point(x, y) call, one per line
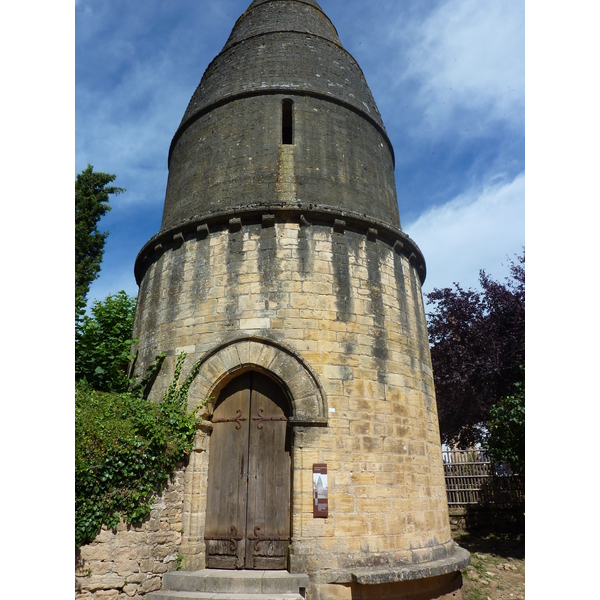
point(306, 396)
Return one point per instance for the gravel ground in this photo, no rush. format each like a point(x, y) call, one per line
point(497, 569)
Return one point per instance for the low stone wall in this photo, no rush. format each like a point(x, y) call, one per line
point(129, 562)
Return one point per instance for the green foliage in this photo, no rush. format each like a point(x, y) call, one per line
point(103, 343)
point(506, 440)
point(126, 448)
point(91, 203)
point(477, 348)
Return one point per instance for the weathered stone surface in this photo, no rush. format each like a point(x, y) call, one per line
point(130, 589)
point(358, 159)
point(102, 582)
point(371, 576)
point(126, 567)
point(327, 591)
point(150, 585)
point(107, 595)
point(112, 559)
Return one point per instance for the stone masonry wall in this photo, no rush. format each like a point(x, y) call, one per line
point(230, 158)
point(350, 307)
point(130, 561)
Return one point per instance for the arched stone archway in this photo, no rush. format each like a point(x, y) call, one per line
point(218, 367)
point(248, 506)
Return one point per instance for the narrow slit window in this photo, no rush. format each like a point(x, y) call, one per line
point(287, 122)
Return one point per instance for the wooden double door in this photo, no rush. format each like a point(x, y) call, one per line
point(249, 477)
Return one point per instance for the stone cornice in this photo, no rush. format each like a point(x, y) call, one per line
point(203, 226)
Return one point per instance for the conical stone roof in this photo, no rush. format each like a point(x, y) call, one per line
point(226, 157)
point(266, 16)
point(261, 56)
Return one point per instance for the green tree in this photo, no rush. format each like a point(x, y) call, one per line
point(506, 427)
point(91, 203)
point(103, 343)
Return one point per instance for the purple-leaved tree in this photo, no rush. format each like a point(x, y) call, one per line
point(477, 350)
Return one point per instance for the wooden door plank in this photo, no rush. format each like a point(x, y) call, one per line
point(269, 478)
point(227, 477)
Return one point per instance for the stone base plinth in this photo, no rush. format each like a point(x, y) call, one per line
point(435, 580)
point(443, 587)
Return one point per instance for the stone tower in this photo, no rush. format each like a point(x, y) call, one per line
point(281, 266)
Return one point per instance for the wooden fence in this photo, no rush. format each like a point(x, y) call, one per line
point(473, 479)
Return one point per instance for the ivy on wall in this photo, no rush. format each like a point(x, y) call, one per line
point(126, 449)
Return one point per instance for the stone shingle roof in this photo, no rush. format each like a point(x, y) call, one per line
point(289, 46)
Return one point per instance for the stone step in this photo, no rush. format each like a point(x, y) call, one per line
point(231, 585)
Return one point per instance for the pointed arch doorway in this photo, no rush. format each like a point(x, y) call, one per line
point(249, 477)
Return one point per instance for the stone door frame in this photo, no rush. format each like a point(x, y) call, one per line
point(218, 367)
point(248, 515)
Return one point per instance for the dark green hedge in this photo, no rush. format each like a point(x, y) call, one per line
point(126, 449)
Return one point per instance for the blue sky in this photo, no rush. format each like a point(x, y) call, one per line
point(448, 77)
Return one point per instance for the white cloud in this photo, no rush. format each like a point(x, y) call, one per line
point(476, 230)
point(128, 132)
point(470, 55)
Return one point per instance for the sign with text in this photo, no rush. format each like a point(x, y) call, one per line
point(320, 501)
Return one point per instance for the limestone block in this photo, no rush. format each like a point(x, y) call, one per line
point(213, 368)
point(107, 595)
point(130, 589)
point(105, 536)
point(342, 372)
point(341, 503)
point(255, 323)
point(373, 506)
point(161, 552)
point(146, 565)
point(95, 552)
point(347, 525)
point(378, 526)
point(137, 578)
point(101, 582)
point(129, 538)
point(126, 567)
point(265, 355)
point(329, 591)
point(243, 351)
point(363, 478)
point(150, 585)
point(160, 567)
point(100, 567)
